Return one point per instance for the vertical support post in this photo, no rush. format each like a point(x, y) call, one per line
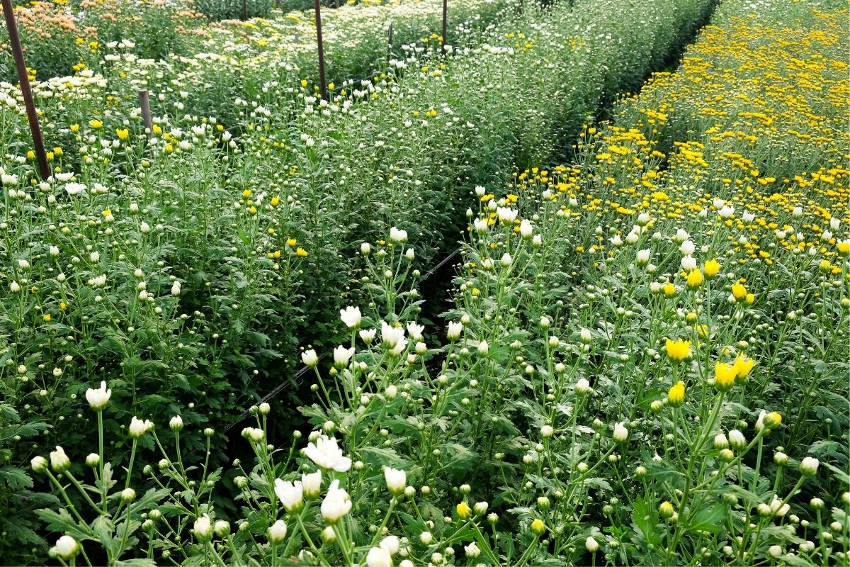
point(389, 42)
point(323, 89)
point(26, 92)
point(443, 39)
point(244, 10)
point(145, 104)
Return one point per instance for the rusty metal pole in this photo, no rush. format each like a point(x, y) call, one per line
point(23, 79)
point(443, 39)
point(389, 43)
point(244, 10)
point(323, 89)
point(145, 104)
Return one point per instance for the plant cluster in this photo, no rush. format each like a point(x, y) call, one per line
point(645, 361)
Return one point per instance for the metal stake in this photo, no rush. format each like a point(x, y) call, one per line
point(445, 14)
point(389, 42)
point(145, 104)
point(24, 80)
point(323, 89)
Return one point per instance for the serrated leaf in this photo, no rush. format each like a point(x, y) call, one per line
point(709, 519)
point(15, 478)
point(645, 522)
point(62, 521)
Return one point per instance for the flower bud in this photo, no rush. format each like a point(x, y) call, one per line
point(176, 423)
point(621, 434)
point(328, 535)
point(809, 466)
point(221, 528)
point(310, 358)
point(203, 529)
point(128, 495)
point(59, 461)
point(38, 464)
point(67, 547)
point(737, 439)
point(774, 551)
point(378, 557)
point(277, 532)
point(772, 419)
point(537, 526)
point(591, 544)
point(396, 480)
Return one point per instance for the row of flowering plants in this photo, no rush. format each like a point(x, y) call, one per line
point(645, 363)
point(185, 266)
point(60, 38)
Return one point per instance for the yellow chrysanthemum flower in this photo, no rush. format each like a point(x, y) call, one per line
point(739, 292)
point(695, 279)
point(538, 527)
point(743, 366)
point(676, 394)
point(724, 375)
point(678, 349)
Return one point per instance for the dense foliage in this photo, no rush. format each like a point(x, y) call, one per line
point(645, 357)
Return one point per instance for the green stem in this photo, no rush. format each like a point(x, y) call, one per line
point(103, 487)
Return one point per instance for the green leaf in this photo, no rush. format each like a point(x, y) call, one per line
point(840, 474)
point(62, 521)
point(15, 478)
point(710, 519)
point(103, 530)
point(645, 521)
point(140, 562)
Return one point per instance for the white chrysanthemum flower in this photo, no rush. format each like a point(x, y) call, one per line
point(396, 480)
point(290, 494)
point(326, 453)
point(336, 504)
point(350, 316)
point(98, 398)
